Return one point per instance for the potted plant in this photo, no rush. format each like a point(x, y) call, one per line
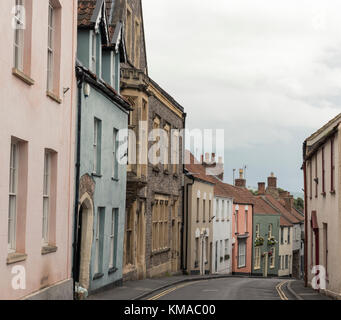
point(272, 241)
point(259, 241)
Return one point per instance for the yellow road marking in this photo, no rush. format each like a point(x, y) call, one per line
point(280, 290)
point(168, 291)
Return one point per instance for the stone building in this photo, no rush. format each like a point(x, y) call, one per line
point(102, 114)
point(322, 167)
point(38, 90)
point(154, 191)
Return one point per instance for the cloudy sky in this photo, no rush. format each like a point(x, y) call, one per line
point(268, 72)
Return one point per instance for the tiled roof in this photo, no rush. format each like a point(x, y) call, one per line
point(196, 169)
point(85, 11)
point(285, 223)
point(263, 208)
point(283, 211)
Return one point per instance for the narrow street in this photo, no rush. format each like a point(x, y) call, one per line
point(225, 289)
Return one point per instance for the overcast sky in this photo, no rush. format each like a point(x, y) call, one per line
point(265, 71)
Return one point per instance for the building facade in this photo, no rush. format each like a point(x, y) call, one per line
point(266, 224)
point(222, 232)
point(38, 90)
point(323, 206)
point(154, 189)
point(101, 176)
point(199, 214)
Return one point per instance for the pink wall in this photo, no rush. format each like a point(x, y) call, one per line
point(27, 113)
point(242, 229)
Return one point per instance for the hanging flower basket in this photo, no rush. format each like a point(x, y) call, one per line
point(272, 241)
point(227, 257)
point(259, 242)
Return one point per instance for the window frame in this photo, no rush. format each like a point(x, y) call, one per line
point(19, 34)
point(13, 194)
point(46, 198)
point(241, 255)
point(50, 48)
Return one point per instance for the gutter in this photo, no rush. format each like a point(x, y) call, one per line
point(189, 184)
point(183, 202)
point(305, 218)
point(80, 78)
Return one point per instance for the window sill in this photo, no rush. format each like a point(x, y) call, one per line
point(157, 252)
point(256, 269)
point(175, 176)
point(323, 194)
point(96, 175)
point(48, 250)
point(115, 179)
point(53, 97)
point(22, 76)
point(166, 172)
point(112, 271)
point(98, 276)
point(15, 257)
point(333, 192)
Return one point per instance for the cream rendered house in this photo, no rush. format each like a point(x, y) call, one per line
point(322, 154)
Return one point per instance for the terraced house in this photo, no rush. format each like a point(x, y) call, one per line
point(322, 167)
point(102, 113)
point(38, 87)
point(154, 190)
point(266, 224)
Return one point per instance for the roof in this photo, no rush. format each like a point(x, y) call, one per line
point(285, 223)
point(332, 122)
point(196, 169)
point(288, 216)
point(86, 9)
point(263, 208)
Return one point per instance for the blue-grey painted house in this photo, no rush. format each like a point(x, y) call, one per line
point(100, 178)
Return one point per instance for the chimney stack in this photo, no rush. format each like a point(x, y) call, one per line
point(261, 188)
point(241, 182)
point(272, 181)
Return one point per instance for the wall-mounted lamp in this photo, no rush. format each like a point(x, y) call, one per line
point(87, 90)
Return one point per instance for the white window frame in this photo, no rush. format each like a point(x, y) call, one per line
point(270, 231)
point(46, 198)
point(50, 48)
point(257, 230)
point(19, 35)
point(246, 220)
point(93, 57)
point(236, 221)
point(112, 238)
point(273, 258)
point(114, 160)
point(242, 254)
point(226, 247)
point(97, 132)
point(257, 258)
point(13, 193)
point(97, 244)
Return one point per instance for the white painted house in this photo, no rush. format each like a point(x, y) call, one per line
point(222, 233)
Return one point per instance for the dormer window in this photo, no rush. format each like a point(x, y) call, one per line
point(93, 52)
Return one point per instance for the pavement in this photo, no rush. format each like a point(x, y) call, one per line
point(211, 287)
point(300, 292)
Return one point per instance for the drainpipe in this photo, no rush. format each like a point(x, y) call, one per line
point(183, 202)
point(79, 118)
point(305, 218)
point(187, 214)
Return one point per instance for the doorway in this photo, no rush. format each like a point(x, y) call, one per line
point(84, 243)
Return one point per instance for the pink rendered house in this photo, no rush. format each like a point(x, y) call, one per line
point(38, 101)
point(242, 226)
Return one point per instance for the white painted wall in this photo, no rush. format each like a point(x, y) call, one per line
point(285, 249)
point(222, 233)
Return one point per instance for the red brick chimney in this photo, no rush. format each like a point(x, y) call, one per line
point(261, 188)
point(241, 182)
point(272, 181)
point(289, 202)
